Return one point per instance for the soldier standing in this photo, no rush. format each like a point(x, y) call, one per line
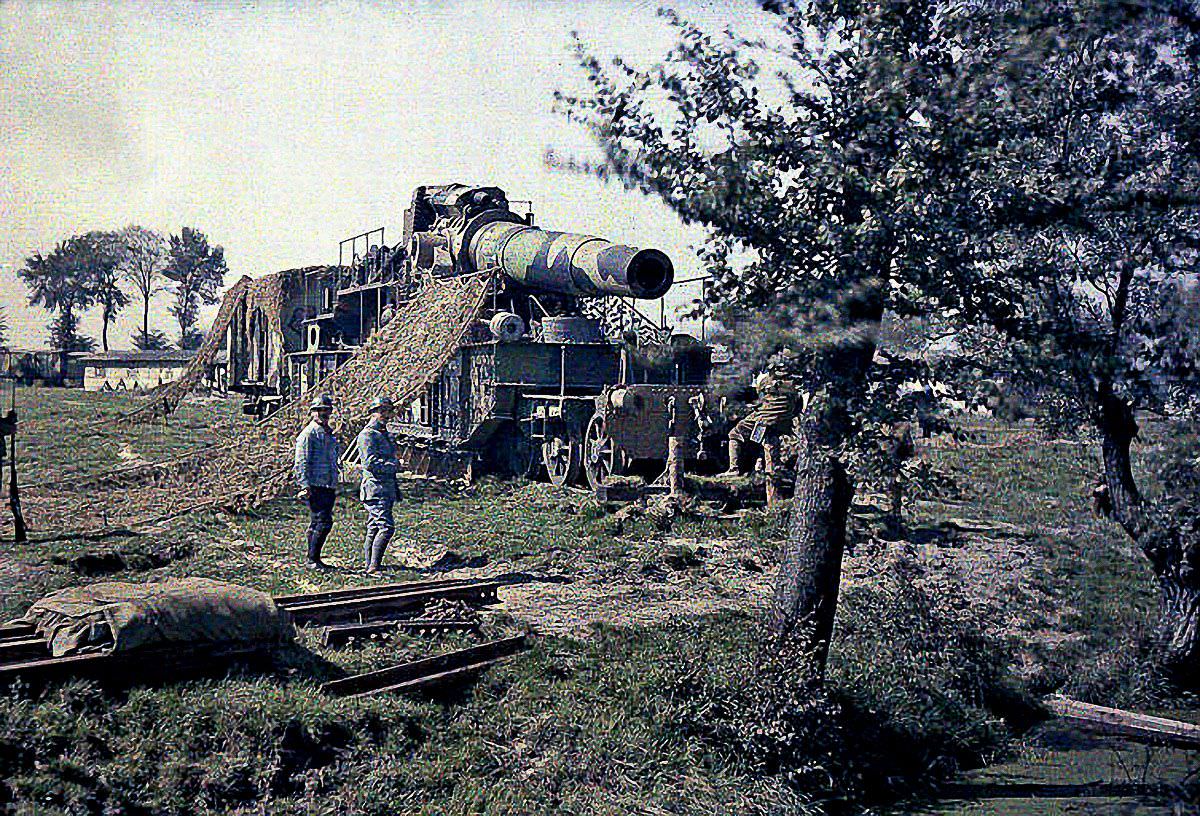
point(316, 470)
point(377, 453)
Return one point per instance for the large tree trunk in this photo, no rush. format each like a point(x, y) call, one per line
point(1173, 557)
point(104, 331)
point(145, 317)
point(806, 587)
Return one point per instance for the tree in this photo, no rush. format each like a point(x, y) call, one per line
point(811, 189)
point(61, 282)
point(144, 263)
point(103, 257)
point(3, 327)
point(1081, 172)
point(156, 340)
point(198, 270)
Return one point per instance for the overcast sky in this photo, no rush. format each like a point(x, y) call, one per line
point(279, 129)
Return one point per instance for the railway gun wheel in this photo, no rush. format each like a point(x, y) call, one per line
point(561, 456)
point(601, 459)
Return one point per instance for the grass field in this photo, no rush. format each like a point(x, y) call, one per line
point(637, 697)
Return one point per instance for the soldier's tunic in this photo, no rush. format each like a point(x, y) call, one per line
point(316, 469)
point(771, 416)
point(377, 453)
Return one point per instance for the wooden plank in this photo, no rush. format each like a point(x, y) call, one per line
point(431, 679)
point(51, 668)
point(395, 676)
point(432, 590)
point(17, 631)
point(24, 649)
point(1128, 724)
point(134, 666)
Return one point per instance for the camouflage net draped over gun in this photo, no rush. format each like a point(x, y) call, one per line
point(267, 296)
point(256, 466)
point(163, 399)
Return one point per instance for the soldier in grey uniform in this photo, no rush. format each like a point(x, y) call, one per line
point(377, 453)
point(316, 470)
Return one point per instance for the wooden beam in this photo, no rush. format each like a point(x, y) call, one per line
point(376, 606)
point(362, 592)
point(23, 649)
point(1128, 724)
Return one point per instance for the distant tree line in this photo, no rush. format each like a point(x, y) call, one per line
point(110, 269)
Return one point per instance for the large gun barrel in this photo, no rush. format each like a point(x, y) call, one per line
point(570, 263)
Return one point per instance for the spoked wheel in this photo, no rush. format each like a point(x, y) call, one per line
point(601, 459)
point(561, 458)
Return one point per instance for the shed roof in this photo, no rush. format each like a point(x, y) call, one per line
point(137, 356)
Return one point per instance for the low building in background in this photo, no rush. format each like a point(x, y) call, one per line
point(41, 367)
point(133, 370)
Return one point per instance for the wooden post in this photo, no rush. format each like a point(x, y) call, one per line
point(770, 448)
point(674, 466)
point(20, 533)
point(674, 453)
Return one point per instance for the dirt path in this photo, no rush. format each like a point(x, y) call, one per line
point(1005, 576)
point(656, 584)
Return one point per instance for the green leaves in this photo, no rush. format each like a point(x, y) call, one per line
point(79, 273)
point(198, 271)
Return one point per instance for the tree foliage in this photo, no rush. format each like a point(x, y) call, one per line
point(62, 282)
point(804, 158)
point(154, 340)
point(145, 259)
point(105, 255)
point(1025, 172)
point(1081, 174)
point(198, 271)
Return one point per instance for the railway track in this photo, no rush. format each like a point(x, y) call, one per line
point(442, 668)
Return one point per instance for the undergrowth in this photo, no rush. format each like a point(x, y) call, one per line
point(681, 719)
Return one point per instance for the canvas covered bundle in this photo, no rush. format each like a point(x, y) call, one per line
point(121, 617)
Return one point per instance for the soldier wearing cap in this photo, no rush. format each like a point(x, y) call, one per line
point(316, 469)
point(377, 453)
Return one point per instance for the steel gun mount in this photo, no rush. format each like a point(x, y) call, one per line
point(549, 380)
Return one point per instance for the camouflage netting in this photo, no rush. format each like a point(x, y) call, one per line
point(397, 361)
point(164, 398)
point(269, 300)
point(268, 296)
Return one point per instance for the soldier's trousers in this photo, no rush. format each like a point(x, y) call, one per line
point(320, 519)
point(380, 528)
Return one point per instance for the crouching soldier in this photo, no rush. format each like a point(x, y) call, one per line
point(770, 418)
point(377, 453)
point(316, 470)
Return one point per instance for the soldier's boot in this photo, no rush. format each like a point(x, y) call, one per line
point(368, 543)
point(377, 548)
point(735, 454)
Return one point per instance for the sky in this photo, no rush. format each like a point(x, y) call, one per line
point(279, 129)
